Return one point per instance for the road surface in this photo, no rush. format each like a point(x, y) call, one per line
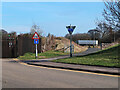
point(16, 75)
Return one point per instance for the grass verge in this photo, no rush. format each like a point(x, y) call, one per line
point(48, 54)
point(107, 57)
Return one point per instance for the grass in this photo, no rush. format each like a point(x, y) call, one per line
point(107, 57)
point(48, 54)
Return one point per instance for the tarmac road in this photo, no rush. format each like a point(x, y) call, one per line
point(16, 75)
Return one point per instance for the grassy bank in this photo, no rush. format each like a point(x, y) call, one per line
point(106, 57)
point(48, 54)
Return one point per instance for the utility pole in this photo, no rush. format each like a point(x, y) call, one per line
point(114, 36)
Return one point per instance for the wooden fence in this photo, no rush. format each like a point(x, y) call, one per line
point(18, 46)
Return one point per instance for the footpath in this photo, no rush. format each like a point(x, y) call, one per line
point(88, 68)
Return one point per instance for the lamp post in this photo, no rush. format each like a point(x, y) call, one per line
point(70, 30)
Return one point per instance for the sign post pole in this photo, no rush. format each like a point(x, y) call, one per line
point(36, 41)
point(70, 30)
point(70, 45)
point(36, 52)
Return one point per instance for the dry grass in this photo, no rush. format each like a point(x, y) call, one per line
point(64, 42)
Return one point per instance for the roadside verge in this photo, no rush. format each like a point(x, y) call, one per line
point(77, 67)
point(96, 69)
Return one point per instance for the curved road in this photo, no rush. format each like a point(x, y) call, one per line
point(16, 75)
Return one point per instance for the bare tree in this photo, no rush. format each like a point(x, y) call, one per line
point(36, 28)
point(103, 28)
point(78, 36)
point(112, 13)
point(94, 34)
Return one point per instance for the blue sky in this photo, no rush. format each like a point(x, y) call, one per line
point(52, 17)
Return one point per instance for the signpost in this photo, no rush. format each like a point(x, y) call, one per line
point(35, 36)
point(36, 41)
point(70, 30)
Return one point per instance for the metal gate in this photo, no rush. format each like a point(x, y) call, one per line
point(9, 48)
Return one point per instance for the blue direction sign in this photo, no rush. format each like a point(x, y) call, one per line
point(36, 41)
point(70, 30)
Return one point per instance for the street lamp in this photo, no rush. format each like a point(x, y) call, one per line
point(70, 30)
